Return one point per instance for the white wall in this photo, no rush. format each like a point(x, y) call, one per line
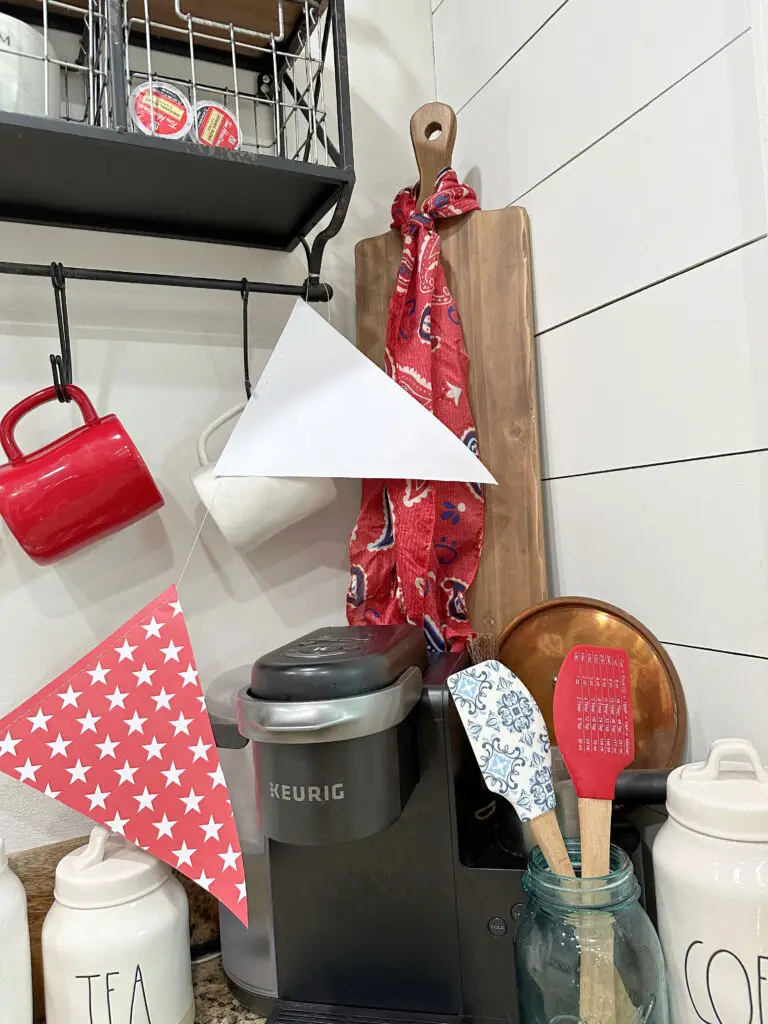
point(168, 361)
point(631, 131)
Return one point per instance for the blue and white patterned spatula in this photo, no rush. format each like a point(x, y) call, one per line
point(509, 738)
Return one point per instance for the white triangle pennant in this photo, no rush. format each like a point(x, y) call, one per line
point(323, 409)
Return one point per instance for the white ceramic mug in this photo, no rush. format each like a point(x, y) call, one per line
point(249, 510)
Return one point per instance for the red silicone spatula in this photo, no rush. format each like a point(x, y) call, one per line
point(592, 709)
point(593, 722)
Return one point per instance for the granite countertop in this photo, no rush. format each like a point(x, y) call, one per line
point(215, 1003)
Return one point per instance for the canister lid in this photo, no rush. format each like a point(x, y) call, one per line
point(338, 661)
point(725, 796)
point(107, 872)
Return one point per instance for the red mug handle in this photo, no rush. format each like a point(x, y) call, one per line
point(11, 419)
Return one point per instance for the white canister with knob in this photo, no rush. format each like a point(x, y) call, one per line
point(15, 962)
point(710, 863)
point(250, 510)
point(116, 940)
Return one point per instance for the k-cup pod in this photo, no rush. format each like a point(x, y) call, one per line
point(216, 126)
point(161, 109)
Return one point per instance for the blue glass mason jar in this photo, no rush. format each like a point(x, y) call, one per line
point(586, 950)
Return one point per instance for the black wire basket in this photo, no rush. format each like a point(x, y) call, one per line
point(166, 117)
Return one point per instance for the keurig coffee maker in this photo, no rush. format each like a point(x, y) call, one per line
point(383, 878)
point(334, 738)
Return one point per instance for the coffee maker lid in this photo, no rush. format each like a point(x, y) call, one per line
point(338, 662)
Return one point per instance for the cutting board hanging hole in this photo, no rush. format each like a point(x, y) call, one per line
point(433, 135)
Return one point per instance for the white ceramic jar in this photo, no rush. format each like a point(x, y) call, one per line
point(710, 863)
point(23, 74)
point(15, 965)
point(116, 940)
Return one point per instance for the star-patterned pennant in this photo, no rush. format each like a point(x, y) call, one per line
point(123, 736)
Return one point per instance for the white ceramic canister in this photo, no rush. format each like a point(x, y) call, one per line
point(23, 71)
point(15, 963)
point(116, 940)
point(710, 863)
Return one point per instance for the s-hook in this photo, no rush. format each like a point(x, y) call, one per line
point(246, 370)
point(61, 364)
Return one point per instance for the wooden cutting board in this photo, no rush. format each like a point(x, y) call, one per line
point(487, 260)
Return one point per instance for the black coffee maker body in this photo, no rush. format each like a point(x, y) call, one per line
point(383, 878)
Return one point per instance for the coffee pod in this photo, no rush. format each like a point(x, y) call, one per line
point(216, 126)
point(161, 109)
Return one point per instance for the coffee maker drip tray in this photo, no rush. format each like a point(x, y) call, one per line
point(287, 1012)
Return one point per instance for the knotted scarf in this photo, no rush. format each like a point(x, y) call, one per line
point(416, 546)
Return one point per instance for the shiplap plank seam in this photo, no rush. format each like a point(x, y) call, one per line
point(628, 118)
point(651, 284)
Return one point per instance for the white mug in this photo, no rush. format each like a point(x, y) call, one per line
point(249, 510)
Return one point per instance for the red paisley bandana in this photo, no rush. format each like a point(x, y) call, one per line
point(416, 547)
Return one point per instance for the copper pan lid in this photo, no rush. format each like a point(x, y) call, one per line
point(536, 642)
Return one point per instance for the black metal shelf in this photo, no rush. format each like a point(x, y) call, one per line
point(77, 176)
point(102, 176)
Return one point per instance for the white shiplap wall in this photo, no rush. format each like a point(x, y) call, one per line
point(631, 131)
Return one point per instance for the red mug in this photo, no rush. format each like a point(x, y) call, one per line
point(83, 486)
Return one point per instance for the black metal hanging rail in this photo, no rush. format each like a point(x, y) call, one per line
point(312, 290)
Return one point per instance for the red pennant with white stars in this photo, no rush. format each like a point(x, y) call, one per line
point(123, 737)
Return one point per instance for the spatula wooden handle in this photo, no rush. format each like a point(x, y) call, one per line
point(546, 832)
point(595, 828)
point(597, 997)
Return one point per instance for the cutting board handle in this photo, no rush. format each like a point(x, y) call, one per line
point(433, 134)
